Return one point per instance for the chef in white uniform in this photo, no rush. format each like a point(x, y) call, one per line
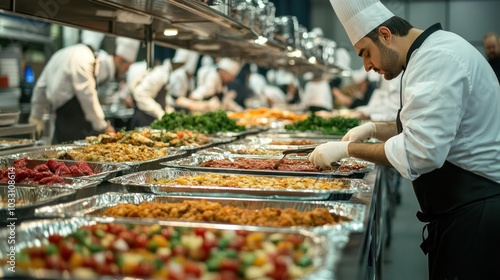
point(213, 94)
point(446, 139)
point(150, 90)
point(67, 86)
point(206, 65)
point(181, 81)
point(317, 94)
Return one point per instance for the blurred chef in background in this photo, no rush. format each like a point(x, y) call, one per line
point(213, 94)
point(67, 86)
point(317, 94)
point(207, 64)
point(150, 91)
point(289, 84)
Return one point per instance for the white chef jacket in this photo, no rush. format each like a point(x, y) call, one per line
point(146, 90)
point(211, 85)
point(70, 72)
point(384, 102)
point(317, 93)
point(202, 72)
point(451, 111)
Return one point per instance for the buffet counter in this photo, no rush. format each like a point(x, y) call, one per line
point(362, 256)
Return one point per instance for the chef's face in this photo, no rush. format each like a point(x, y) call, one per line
point(122, 66)
point(226, 77)
point(379, 57)
point(491, 46)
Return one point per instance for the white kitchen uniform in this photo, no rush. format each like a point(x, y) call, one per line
point(384, 102)
point(107, 69)
point(211, 85)
point(147, 90)
point(318, 94)
point(441, 113)
point(69, 73)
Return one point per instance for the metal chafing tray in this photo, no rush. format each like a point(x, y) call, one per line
point(325, 248)
point(139, 182)
point(248, 149)
point(270, 142)
point(301, 135)
point(194, 161)
point(103, 171)
point(11, 143)
point(24, 200)
point(133, 166)
point(83, 188)
point(239, 134)
point(95, 206)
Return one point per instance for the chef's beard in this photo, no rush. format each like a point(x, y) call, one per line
point(388, 62)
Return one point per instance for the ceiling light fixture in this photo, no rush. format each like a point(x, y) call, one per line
point(169, 32)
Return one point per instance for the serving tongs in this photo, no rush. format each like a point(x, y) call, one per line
point(309, 149)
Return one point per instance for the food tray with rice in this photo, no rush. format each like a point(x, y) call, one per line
point(18, 203)
point(257, 164)
point(178, 249)
point(136, 158)
point(271, 213)
point(50, 171)
point(185, 182)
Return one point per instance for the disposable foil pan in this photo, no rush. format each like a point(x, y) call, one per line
point(102, 171)
point(139, 182)
point(272, 140)
point(325, 247)
point(95, 206)
point(19, 202)
point(239, 134)
point(194, 161)
point(301, 135)
point(10, 143)
point(133, 166)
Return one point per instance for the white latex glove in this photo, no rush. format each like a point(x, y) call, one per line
point(38, 123)
point(360, 133)
point(329, 152)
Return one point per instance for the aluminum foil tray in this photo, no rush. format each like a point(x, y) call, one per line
point(248, 149)
point(11, 143)
point(139, 182)
point(267, 142)
point(194, 161)
point(94, 206)
point(301, 135)
point(103, 171)
point(24, 201)
point(325, 248)
point(248, 131)
point(133, 166)
point(83, 188)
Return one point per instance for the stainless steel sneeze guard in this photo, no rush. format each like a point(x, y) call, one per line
point(326, 247)
point(139, 182)
point(94, 206)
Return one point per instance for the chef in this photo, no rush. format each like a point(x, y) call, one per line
point(446, 138)
point(150, 91)
point(67, 86)
point(317, 94)
point(212, 94)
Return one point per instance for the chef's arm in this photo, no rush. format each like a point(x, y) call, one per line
point(208, 88)
point(146, 91)
point(385, 130)
point(39, 103)
point(373, 152)
point(84, 85)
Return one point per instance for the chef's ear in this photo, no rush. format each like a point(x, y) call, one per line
point(385, 34)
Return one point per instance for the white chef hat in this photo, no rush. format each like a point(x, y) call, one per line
point(229, 65)
point(359, 17)
point(182, 56)
point(127, 48)
point(92, 39)
point(284, 77)
point(207, 60)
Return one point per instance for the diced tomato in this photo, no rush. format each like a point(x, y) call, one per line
point(55, 238)
point(55, 262)
point(129, 237)
point(294, 239)
point(237, 242)
point(109, 257)
point(141, 241)
point(35, 252)
point(143, 269)
point(179, 251)
point(193, 269)
point(66, 250)
point(229, 265)
point(228, 275)
point(89, 261)
point(108, 269)
point(200, 231)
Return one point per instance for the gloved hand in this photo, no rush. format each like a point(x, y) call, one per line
point(329, 152)
point(360, 133)
point(38, 123)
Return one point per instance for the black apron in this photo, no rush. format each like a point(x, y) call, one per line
point(70, 123)
point(140, 118)
point(462, 212)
